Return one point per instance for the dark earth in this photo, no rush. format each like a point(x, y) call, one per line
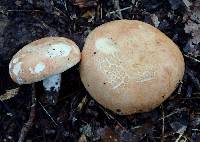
point(77, 117)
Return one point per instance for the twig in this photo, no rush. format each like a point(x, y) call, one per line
point(116, 5)
point(196, 93)
point(178, 110)
point(196, 130)
point(187, 3)
point(179, 137)
point(194, 59)
point(191, 98)
point(123, 9)
point(163, 124)
point(101, 10)
point(27, 126)
point(180, 87)
point(111, 117)
point(60, 12)
point(82, 103)
point(65, 5)
point(48, 113)
point(194, 79)
point(61, 128)
point(21, 10)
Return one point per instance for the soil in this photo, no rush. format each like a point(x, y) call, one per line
point(77, 117)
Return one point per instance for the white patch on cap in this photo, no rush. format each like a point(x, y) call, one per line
point(10, 66)
point(19, 80)
point(59, 49)
point(39, 67)
point(31, 70)
point(146, 75)
point(15, 60)
point(106, 45)
point(17, 68)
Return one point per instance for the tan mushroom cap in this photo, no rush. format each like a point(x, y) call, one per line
point(129, 66)
point(43, 58)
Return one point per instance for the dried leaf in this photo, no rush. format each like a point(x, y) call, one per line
point(187, 3)
point(9, 94)
point(82, 138)
point(178, 127)
point(88, 14)
point(82, 104)
point(155, 20)
point(85, 3)
point(191, 27)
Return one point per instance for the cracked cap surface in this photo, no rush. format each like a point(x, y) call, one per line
point(129, 66)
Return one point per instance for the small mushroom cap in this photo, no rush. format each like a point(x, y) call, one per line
point(129, 66)
point(43, 58)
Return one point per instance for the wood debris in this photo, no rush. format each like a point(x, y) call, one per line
point(9, 94)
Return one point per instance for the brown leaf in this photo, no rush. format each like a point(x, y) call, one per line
point(9, 94)
point(85, 3)
point(82, 138)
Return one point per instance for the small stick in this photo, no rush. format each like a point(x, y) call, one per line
point(180, 87)
point(194, 59)
point(21, 10)
point(181, 135)
point(101, 10)
point(111, 117)
point(65, 5)
point(47, 113)
point(163, 124)
point(116, 5)
point(166, 116)
point(27, 126)
point(123, 9)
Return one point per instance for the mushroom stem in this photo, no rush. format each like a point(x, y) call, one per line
point(52, 87)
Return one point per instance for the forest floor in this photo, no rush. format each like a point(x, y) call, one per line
point(77, 117)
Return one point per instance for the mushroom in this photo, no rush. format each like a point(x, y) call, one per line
point(44, 59)
point(129, 66)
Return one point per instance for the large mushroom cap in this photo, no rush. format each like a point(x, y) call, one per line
point(129, 66)
point(43, 58)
